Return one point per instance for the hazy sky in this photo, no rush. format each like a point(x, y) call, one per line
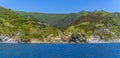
point(61, 6)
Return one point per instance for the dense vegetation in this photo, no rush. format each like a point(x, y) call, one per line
point(86, 23)
point(28, 25)
point(101, 23)
point(25, 28)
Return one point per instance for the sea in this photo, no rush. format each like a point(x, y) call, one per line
point(93, 50)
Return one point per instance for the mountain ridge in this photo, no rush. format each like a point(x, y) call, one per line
point(101, 24)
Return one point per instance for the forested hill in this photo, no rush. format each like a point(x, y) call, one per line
point(55, 20)
point(34, 25)
point(20, 27)
point(101, 23)
point(42, 17)
point(63, 20)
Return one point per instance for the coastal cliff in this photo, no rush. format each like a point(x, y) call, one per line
point(34, 27)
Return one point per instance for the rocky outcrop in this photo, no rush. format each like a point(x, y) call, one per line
point(6, 39)
point(97, 39)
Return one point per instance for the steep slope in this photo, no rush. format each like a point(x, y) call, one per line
point(46, 18)
point(55, 20)
point(20, 27)
point(103, 24)
point(69, 19)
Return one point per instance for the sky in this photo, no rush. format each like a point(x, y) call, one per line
point(61, 6)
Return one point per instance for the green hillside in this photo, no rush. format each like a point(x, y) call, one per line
point(46, 18)
point(100, 23)
point(34, 25)
point(20, 27)
point(55, 20)
point(83, 23)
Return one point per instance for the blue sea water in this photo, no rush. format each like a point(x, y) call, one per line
point(108, 50)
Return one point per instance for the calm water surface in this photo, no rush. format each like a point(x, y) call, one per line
point(60, 50)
